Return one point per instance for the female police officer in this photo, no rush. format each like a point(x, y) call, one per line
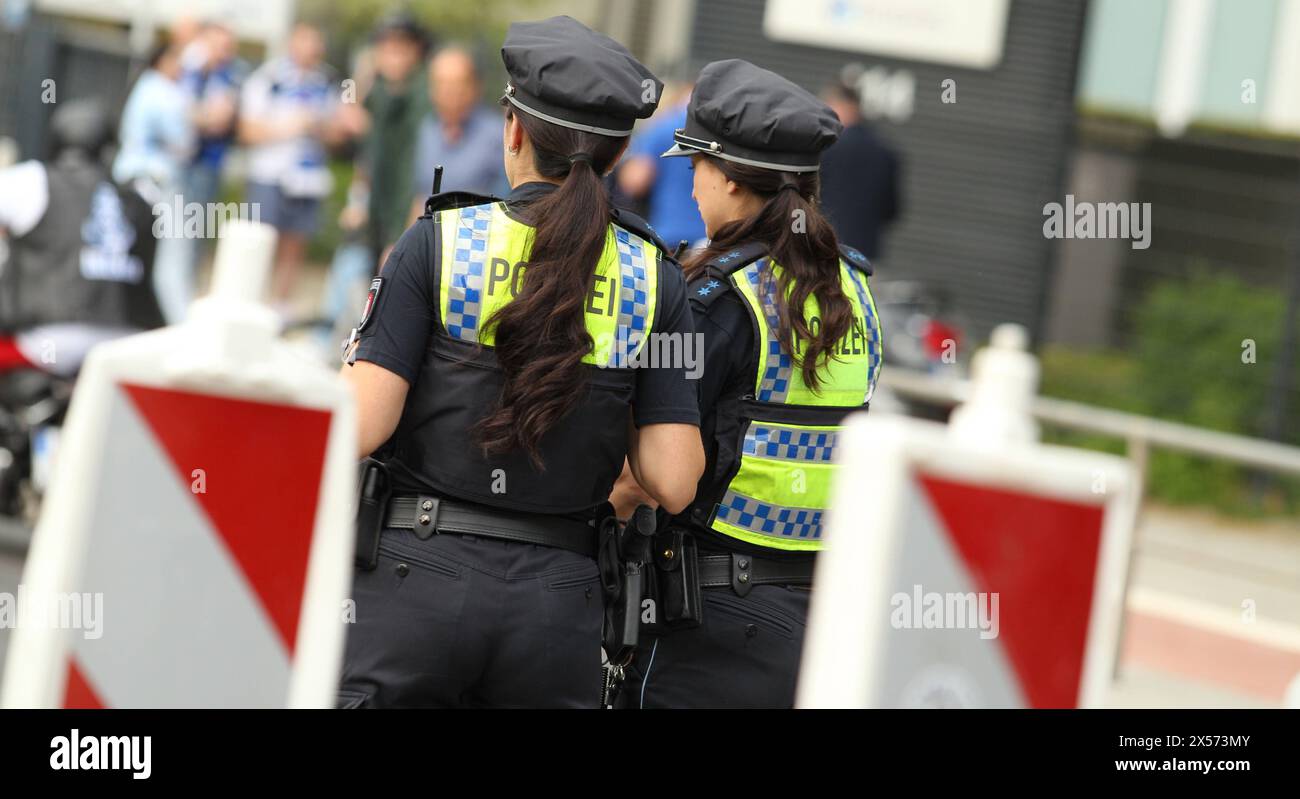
point(791, 345)
point(496, 369)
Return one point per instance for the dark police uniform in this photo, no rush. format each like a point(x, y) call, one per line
point(486, 591)
point(769, 438)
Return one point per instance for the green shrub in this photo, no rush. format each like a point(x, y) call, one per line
point(1190, 363)
point(1104, 379)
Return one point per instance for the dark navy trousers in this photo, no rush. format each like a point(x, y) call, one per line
point(465, 621)
point(744, 654)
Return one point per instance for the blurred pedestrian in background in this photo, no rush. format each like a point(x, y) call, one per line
point(396, 104)
point(185, 30)
point(664, 186)
point(288, 114)
point(157, 142)
point(212, 75)
point(860, 177)
point(390, 80)
point(157, 135)
point(462, 133)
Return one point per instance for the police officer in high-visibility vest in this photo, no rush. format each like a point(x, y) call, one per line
point(791, 346)
point(499, 383)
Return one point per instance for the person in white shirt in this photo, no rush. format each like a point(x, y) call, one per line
point(288, 116)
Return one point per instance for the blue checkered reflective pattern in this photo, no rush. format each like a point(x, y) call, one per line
point(465, 297)
point(775, 385)
point(872, 333)
point(790, 444)
point(750, 514)
point(633, 297)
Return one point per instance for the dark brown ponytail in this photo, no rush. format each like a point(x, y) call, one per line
point(801, 240)
point(541, 336)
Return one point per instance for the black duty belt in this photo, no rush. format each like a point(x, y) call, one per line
point(429, 515)
point(741, 572)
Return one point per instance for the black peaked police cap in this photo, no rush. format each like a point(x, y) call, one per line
point(563, 72)
point(743, 113)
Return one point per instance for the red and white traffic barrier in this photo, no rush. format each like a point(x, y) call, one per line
point(200, 511)
point(968, 565)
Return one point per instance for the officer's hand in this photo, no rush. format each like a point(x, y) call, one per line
point(627, 494)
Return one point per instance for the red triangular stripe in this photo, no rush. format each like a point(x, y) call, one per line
point(1040, 555)
point(77, 693)
point(262, 467)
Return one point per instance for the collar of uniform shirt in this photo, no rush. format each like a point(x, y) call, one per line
point(525, 193)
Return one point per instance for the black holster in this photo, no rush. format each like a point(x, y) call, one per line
point(373, 490)
point(624, 561)
point(676, 584)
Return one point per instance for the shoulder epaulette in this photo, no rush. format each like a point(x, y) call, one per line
point(626, 219)
point(856, 259)
point(455, 199)
point(737, 257)
point(714, 281)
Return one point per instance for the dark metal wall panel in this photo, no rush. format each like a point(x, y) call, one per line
point(978, 172)
point(1216, 206)
point(26, 58)
point(82, 66)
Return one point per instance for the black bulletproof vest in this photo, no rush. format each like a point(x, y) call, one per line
point(89, 259)
point(434, 448)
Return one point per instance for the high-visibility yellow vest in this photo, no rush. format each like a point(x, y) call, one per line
point(483, 263)
point(481, 256)
point(775, 485)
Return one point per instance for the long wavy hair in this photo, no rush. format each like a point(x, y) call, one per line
point(541, 336)
point(801, 240)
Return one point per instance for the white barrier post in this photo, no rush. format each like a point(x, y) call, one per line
point(198, 526)
point(1291, 697)
point(968, 565)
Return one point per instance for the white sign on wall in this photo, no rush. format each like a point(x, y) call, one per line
point(263, 20)
point(967, 33)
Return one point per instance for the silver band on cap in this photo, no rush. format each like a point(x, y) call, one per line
point(564, 123)
point(717, 150)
